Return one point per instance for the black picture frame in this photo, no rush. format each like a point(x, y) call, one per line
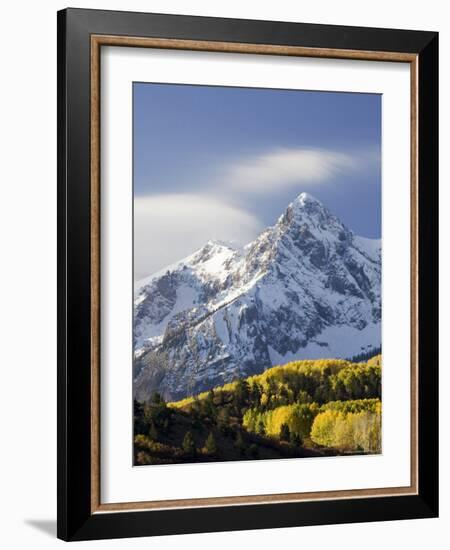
point(75, 518)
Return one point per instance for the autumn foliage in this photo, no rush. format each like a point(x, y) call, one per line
point(316, 406)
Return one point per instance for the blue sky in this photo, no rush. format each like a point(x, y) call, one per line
point(217, 162)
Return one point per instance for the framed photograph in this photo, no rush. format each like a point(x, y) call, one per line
point(248, 295)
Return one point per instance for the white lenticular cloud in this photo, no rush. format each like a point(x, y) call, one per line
point(170, 227)
point(286, 168)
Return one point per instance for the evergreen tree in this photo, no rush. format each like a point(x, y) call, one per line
point(138, 409)
point(255, 394)
point(157, 399)
point(283, 396)
point(189, 444)
point(239, 443)
point(295, 440)
point(219, 398)
point(223, 420)
point(210, 444)
point(272, 387)
point(261, 428)
point(209, 407)
point(148, 414)
point(241, 394)
point(285, 433)
point(140, 426)
point(196, 404)
point(165, 427)
point(153, 432)
point(254, 451)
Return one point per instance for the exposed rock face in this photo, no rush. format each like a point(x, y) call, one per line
point(305, 288)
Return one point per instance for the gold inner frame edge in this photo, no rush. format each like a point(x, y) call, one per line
point(97, 41)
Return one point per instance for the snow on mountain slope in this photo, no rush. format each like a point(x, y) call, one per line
point(305, 288)
point(181, 287)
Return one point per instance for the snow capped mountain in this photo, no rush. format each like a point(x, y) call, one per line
point(305, 288)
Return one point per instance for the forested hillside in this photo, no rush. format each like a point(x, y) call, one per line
point(301, 409)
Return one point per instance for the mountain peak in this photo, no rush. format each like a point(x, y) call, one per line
point(219, 243)
point(306, 202)
point(307, 209)
point(305, 198)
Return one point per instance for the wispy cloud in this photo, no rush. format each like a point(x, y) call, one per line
point(170, 227)
point(289, 167)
